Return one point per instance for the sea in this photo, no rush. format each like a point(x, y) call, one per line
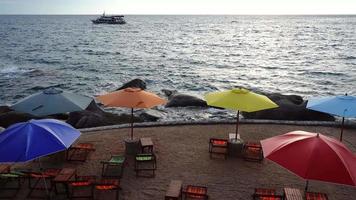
point(310, 56)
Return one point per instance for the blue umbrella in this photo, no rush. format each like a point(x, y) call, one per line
point(343, 106)
point(27, 141)
point(52, 101)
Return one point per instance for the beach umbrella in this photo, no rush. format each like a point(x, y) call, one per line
point(131, 98)
point(52, 101)
point(312, 156)
point(30, 140)
point(241, 100)
point(342, 106)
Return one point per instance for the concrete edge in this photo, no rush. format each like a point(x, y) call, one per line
point(349, 124)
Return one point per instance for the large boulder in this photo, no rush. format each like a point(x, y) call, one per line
point(150, 115)
point(137, 83)
point(94, 116)
point(291, 107)
point(12, 117)
point(5, 109)
point(176, 99)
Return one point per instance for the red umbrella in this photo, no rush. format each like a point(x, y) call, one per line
point(312, 156)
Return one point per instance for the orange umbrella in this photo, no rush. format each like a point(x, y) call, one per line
point(131, 98)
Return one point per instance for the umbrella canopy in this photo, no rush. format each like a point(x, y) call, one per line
point(52, 101)
point(312, 156)
point(131, 98)
point(240, 100)
point(26, 141)
point(343, 106)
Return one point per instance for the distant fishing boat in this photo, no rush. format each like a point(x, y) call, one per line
point(109, 19)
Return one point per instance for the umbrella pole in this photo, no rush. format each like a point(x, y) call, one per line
point(44, 179)
point(342, 128)
point(132, 123)
point(306, 185)
point(237, 124)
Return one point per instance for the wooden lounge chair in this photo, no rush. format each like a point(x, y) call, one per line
point(174, 190)
point(10, 183)
point(315, 196)
point(253, 151)
point(82, 187)
point(218, 146)
point(114, 167)
point(40, 183)
point(79, 152)
point(145, 162)
point(195, 192)
point(105, 185)
point(266, 194)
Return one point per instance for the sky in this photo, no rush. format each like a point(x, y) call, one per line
point(178, 7)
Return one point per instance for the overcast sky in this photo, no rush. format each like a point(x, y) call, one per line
point(178, 6)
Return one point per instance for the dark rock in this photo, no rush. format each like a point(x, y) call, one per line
point(150, 115)
point(137, 83)
point(5, 109)
point(182, 100)
point(169, 93)
point(62, 116)
point(94, 116)
point(291, 107)
point(12, 117)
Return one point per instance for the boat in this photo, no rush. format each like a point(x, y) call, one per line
point(109, 19)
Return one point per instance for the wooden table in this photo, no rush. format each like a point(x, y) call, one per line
point(292, 194)
point(4, 169)
point(174, 190)
point(146, 143)
point(63, 177)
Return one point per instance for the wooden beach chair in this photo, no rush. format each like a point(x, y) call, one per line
point(195, 192)
point(114, 167)
point(218, 147)
point(82, 187)
point(252, 151)
point(315, 196)
point(10, 182)
point(108, 185)
point(266, 194)
point(79, 152)
point(145, 162)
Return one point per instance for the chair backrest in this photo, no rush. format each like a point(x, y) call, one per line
point(218, 142)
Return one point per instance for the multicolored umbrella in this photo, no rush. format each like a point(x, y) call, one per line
point(131, 98)
point(343, 106)
point(240, 100)
point(27, 141)
point(312, 156)
point(52, 101)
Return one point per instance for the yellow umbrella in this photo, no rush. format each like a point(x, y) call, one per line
point(239, 99)
point(131, 98)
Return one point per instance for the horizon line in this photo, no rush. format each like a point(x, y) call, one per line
point(331, 14)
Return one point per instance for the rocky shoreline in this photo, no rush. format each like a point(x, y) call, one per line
point(291, 107)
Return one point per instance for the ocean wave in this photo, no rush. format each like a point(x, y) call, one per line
point(323, 73)
point(14, 70)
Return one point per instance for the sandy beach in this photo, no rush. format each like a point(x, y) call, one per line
point(182, 153)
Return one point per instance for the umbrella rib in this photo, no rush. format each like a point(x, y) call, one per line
point(50, 130)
